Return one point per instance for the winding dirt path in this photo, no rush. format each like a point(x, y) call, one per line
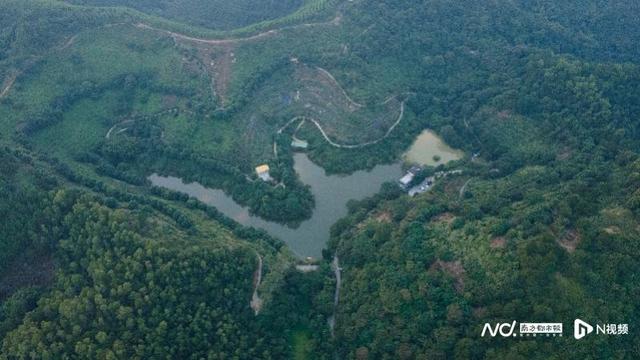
point(334, 21)
point(142, 117)
point(337, 84)
point(357, 146)
point(208, 41)
point(346, 146)
point(108, 135)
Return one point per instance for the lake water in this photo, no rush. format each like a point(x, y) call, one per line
point(426, 146)
point(331, 194)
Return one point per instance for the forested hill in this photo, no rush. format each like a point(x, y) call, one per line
point(90, 276)
point(217, 14)
point(547, 229)
point(543, 225)
point(540, 224)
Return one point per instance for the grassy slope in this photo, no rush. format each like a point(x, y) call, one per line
point(98, 61)
point(311, 10)
point(97, 57)
point(216, 15)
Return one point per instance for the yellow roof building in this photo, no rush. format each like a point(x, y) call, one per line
point(263, 172)
point(262, 169)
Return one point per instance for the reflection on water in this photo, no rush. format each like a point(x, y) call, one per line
point(428, 145)
point(331, 194)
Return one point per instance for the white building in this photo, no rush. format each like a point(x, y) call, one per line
point(263, 173)
point(406, 180)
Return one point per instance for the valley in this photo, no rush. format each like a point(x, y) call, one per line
point(316, 179)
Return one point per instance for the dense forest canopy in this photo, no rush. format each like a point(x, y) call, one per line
point(539, 223)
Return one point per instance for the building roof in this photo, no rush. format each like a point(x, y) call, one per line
point(407, 179)
point(297, 143)
point(262, 169)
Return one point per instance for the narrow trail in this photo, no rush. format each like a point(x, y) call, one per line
point(294, 137)
point(8, 86)
point(463, 189)
point(268, 33)
point(289, 123)
point(142, 117)
point(337, 270)
point(335, 144)
point(337, 84)
point(346, 146)
point(69, 42)
point(108, 135)
point(256, 301)
point(208, 41)
point(357, 146)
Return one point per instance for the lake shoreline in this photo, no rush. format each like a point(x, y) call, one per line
point(331, 192)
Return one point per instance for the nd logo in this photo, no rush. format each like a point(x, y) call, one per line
point(504, 329)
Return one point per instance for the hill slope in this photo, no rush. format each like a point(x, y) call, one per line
point(540, 226)
point(217, 15)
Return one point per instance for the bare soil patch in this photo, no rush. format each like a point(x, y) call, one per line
point(612, 230)
point(383, 217)
point(453, 268)
point(498, 242)
point(445, 217)
point(570, 240)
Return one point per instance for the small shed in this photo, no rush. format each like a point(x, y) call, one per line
point(299, 144)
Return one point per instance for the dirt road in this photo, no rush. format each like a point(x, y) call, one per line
point(268, 33)
point(357, 146)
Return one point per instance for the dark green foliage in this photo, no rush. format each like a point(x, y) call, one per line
point(547, 230)
point(217, 14)
point(29, 215)
point(120, 295)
